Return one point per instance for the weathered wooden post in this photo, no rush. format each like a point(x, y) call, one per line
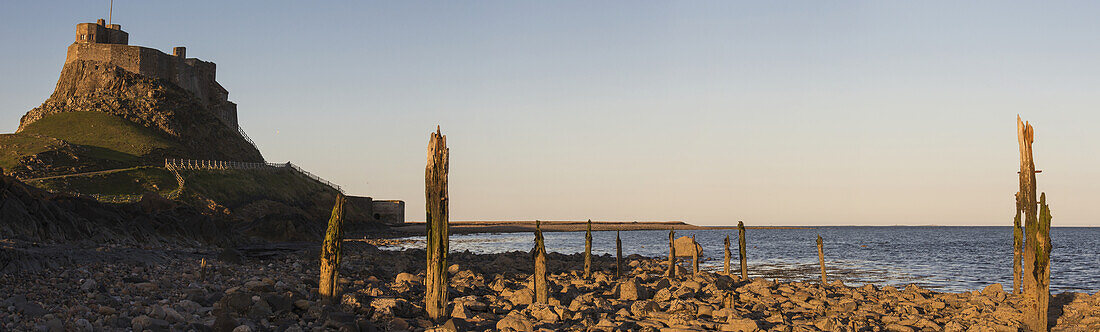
point(726, 266)
point(588, 250)
point(671, 254)
point(438, 237)
point(618, 256)
point(694, 257)
point(741, 249)
point(542, 291)
point(330, 251)
point(821, 259)
point(1036, 263)
point(1017, 247)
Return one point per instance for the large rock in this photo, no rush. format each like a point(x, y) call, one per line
point(685, 245)
point(396, 307)
point(515, 323)
point(522, 296)
point(630, 290)
point(740, 325)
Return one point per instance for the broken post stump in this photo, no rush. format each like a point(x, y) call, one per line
point(821, 259)
point(741, 249)
point(438, 232)
point(726, 265)
point(618, 256)
point(694, 257)
point(1036, 262)
point(1017, 247)
point(330, 251)
point(588, 251)
point(671, 254)
point(542, 290)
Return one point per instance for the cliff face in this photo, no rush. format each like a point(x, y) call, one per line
point(91, 86)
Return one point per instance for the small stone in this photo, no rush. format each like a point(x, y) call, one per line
point(55, 325)
point(83, 325)
point(145, 286)
point(629, 290)
point(88, 285)
point(301, 304)
point(242, 328)
point(407, 277)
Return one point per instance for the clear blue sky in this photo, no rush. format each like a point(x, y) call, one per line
point(776, 113)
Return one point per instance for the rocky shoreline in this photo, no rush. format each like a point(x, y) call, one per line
point(273, 288)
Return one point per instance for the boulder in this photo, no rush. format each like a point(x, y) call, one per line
point(740, 325)
point(685, 245)
point(515, 323)
point(522, 296)
point(630, 290)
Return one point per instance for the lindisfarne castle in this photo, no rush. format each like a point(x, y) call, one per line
point(107, 43)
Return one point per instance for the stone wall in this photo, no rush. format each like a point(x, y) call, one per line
point(359, 209)
point(193, 75)
point(389, 212)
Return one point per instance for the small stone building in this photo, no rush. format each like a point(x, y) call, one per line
point(362, 209)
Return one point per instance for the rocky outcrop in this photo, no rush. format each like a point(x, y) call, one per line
point(31, 214)
point(153, 103)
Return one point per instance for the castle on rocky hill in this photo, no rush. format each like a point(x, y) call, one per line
point(107, 43)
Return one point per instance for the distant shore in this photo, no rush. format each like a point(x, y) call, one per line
point(470, 227)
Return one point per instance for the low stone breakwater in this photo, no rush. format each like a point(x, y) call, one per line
point(384, 291)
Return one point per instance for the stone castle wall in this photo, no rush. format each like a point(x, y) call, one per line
point(107, 44)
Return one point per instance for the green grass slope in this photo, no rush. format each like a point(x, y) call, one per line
point(108, 136)
point(15, 146)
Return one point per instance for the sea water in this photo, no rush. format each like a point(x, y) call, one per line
point(941, 258)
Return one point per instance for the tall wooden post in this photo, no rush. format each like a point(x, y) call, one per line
point(741, 249)
point(1017, 247)
point(694, 256)
point(671, 254)
point(1036, 267)
point(821, 259)
point(330, 251)
point(588, 250)
point(618, 256)
point(726, 266)
point(542, 291)
point(435, 201)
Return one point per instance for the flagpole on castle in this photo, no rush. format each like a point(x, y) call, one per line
point(111, 12)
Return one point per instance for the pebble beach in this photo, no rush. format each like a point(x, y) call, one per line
point(274, 288)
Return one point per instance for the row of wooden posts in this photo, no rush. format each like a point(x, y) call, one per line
point(1031, 240)
point(435, 297)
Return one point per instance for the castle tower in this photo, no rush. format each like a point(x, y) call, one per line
point(100, 33)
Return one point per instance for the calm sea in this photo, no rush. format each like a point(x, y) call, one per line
point(942, 258)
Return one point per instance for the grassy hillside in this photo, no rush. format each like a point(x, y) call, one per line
point(15, 146)
point(233, 188)
point(108, 136)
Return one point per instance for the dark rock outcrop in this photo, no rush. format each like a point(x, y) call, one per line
point(31, 214)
